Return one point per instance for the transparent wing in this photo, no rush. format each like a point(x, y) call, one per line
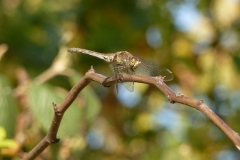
point(117, 71)
point(129, 85)
point(113, 68)
point(144, 68)
point(166, 73)
point(152, 69)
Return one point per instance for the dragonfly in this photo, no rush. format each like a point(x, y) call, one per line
point(124, 62)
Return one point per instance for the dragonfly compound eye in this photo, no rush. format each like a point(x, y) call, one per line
point(135, 62)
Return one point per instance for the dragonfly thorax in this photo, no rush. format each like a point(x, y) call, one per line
point(124, 58)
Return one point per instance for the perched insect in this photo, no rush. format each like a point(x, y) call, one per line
point(125, 62)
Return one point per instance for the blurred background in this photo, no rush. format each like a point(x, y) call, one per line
point(197, 40)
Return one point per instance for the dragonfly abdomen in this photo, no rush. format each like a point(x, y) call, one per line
point(105, 57)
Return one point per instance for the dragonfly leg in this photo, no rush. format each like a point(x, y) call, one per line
point(119, 78)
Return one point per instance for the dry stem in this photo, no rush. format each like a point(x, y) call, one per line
point(51, 137)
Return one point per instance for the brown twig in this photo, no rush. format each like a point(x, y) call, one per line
point(105, 81)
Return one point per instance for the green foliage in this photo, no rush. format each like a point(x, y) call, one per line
point(92, 103)
point(41, 97)
point(8, 107)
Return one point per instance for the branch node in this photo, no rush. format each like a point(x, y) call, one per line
point(180, 95)
point(236, 133)
point(160, 80)
point(238, 147)
point(200, 102)
point(119, 78)
point(104, 82)
point(55, 107)
point(56, 140)
point(170, 100)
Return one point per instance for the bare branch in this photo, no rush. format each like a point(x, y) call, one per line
point(108, 81)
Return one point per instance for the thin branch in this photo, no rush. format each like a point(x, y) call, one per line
point(51, 137)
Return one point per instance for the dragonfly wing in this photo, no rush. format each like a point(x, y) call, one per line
point(152, 69)
point(113, 67)
point(118, 70)
point(115, 73)
point(129, 86)
point(143, 69)
point(166, 73)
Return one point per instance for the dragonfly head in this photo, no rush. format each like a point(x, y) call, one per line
point(135, 62)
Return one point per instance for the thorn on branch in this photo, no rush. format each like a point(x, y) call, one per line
point(91, 69)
